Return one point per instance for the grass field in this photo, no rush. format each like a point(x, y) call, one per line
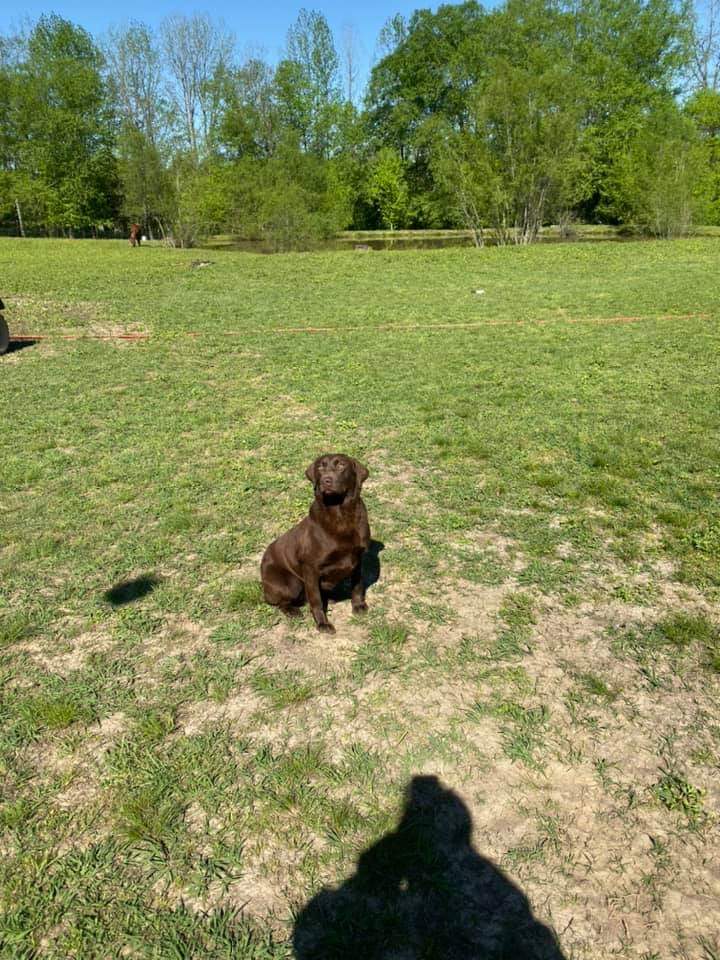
point(184, 775)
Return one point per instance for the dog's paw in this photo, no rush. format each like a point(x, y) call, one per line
point(326, 627)
point(359, 609)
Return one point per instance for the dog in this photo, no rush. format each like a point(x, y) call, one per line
point(324, 548)
point(135, 234)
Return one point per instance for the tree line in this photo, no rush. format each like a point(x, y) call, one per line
point(497, 121)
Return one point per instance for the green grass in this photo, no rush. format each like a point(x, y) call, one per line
point(181, 769)
point(675, 793)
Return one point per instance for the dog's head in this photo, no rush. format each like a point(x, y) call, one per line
point(336, 478)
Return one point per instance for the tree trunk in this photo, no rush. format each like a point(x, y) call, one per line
point(19, 216)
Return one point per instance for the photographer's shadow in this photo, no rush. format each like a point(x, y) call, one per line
point(422, 892)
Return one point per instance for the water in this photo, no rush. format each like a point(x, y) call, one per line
point(409, 242)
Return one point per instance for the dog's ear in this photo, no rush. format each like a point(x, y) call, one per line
point(311, 472)
point(361, 475)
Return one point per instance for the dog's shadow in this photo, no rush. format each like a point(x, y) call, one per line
point(370, 571)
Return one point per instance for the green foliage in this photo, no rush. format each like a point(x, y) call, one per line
point(134, 67)
point(703, 109)
point(147, 188)
point(252, 123)
point(288, 201)
point(681, 629)
point(309, 81)
point(503, 119)
point(282, 689)
point(654, 183)
point(61, 131)
point(676, 794)
point(247, 593)
point(388, 190)
point(517, 610)
point(520, 115)
point(14, 627)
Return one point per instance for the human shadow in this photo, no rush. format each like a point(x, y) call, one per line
point(129, 590)
point(369, 571)
point(423, 893)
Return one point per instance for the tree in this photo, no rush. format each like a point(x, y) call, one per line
point(502, 117)
point(135, 71)
point(135, 68)
point(392, 33)
point(198, 54)
point(350, 62)
point(251, 123)
point(434, 63)
point(387, 189)
point(65, 172)
point(295, 102)
point(630, 57)
point(705, 61)
point(514, 115)
point(10, 48)
point(703, 109)
point(148, 195)
point(308, 81)
point(654, 185)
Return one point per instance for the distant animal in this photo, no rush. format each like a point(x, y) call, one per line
point(135, 234)
point(326, 547)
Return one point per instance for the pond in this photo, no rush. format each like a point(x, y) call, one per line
point(415, 240)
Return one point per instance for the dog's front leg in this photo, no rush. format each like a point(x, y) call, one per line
point(311, 579)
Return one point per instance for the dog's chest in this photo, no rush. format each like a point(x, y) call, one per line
point(343, 554)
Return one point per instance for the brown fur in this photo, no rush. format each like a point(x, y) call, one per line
point(324, 548)
point(135, 234)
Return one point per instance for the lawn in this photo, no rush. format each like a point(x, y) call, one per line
point(515, 755)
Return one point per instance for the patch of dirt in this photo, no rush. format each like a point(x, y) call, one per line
point(475, 609)
point(67, 661)
point(395, 482)
point(253, 892)
point(179, 637)
point(564, 550)
point(57, 319)
point(298, 644)
point(582, 834)
point(291, 407)
point(237, 712)
point(79, 766)
point(489, 544)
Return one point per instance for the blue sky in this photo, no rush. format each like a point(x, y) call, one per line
point(258, 26)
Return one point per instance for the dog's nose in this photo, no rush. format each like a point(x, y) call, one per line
point(326, 481)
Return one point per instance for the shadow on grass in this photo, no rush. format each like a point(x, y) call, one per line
point(16, 345)
point(370, 569)
point(423, 892)
point(127, 591)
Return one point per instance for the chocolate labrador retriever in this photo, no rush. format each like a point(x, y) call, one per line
point(324, 548)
